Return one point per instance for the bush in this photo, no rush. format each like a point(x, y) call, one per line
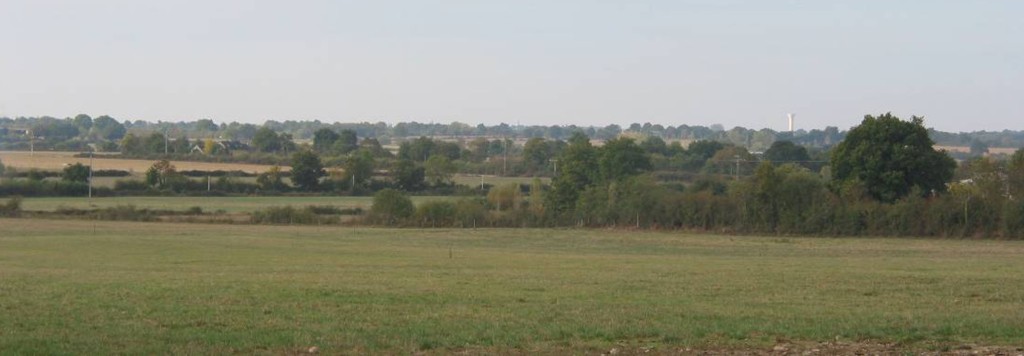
point(470, 212)
point(436, 213)
point(289, 215)
point(125, 213)
point(390, 206)
point(12, 207)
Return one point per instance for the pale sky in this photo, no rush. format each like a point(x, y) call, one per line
point(584, 62)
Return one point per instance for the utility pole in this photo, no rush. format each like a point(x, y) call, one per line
point(737, 177)
point(504, 159)
point(31, 142)
point(90, 176)
point(555, 161)
point(165, 142)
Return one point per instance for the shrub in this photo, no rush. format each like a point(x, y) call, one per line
point(436, 213)
point(125, 213)
point(285, 215)
point(390, 206)
point(12, 207)
point(470, 212)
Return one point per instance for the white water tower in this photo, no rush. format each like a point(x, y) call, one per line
point(791, 116)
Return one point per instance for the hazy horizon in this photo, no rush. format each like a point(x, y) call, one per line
point(585, 63)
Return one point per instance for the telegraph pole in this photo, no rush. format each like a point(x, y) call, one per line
point(90, 176)
point(737, 177)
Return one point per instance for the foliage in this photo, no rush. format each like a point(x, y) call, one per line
point(538, 152)
point(390, 207)
point(422, 148)
point(107, 128)
point(891, 157)
point(731, 160)
point(407, 176)
point(786, 152)
point(576, 172)
point(1015, 175)
point(162, 174)
point(359, 168)
point(620, 158)
point(289, 215)
point(12, 207)
point(347, 142)
point(76, 173)
point(436, 213)
point(439, 170)
point(323, 139)
point(267, 140)
point(306, 170)
point(505, 197)
point(272, 180)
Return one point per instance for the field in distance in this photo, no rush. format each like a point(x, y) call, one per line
point(73, 286)
point(55, 161)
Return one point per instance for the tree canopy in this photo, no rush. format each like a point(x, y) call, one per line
point(890, 157)
point(306, 170)
point(786, 152)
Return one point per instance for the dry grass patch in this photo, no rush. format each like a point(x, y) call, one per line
point(52, 161)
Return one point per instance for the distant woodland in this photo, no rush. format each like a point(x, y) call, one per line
point(886, 176)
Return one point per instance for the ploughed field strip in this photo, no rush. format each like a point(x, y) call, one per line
point(120, 287)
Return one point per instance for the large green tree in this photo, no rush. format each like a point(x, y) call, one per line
point(621, 158)
point(76, 173)
point(323, 139)
point(346, 142)
point(890, 157)
point(439, 170)
point(407, 176)
point(576, 171)
point(306, 170)
point(107, 128)
point(266, 140)
point(786, 152)
point(359, 167)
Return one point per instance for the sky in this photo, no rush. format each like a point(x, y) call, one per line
point(959, 64)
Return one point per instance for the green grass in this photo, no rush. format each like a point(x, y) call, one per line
point(107, 287)
point(473, 180)
point(228, 204)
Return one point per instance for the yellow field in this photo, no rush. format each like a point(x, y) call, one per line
point(967, 149)
point(56, 160)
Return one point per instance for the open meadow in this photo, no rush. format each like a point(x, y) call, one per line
point(85, 287)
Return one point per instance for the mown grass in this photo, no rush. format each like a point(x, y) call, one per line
point(208, 204)
point(473, 180)
point(113, 287)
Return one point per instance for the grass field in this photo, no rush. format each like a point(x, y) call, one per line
point(473, 180)
point(88, 287)
point(209, 204)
